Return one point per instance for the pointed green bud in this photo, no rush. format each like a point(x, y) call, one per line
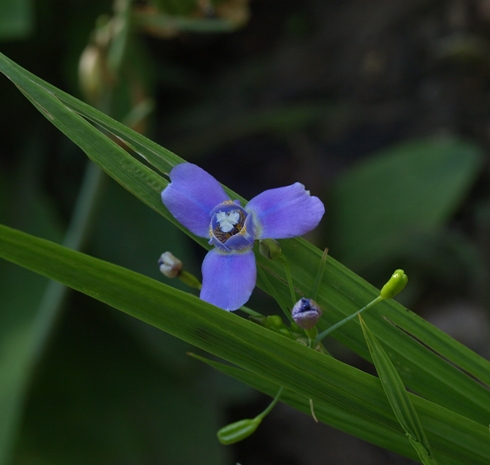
point(270, 249)
point(395, 285)
point(305, 313)
point(238, 431)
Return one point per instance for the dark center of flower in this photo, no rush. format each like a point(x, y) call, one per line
point(304, 305)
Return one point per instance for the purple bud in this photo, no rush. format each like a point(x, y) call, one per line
point(306, 313)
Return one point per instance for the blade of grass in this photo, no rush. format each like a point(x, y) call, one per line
point(455, 439)
point(398, 397)
point(355, 396)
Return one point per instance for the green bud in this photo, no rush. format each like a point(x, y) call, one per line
point(270, 249)
point(238, 431)
point(275, 321)
point(395, 285)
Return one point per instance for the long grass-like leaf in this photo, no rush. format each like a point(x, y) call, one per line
point(454, 439)
point(342, 394)
point(398, 397)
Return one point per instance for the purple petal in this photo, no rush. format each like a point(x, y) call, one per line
point(228, 279)
point(191, 196)
point(285, 212)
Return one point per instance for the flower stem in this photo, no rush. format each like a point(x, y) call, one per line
point(249, 311)
point(345, 320)
point(262, 415)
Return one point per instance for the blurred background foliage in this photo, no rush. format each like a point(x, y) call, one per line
point(380, 108)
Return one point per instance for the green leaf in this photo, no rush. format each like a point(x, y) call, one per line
point(455, 439)
point(140, 243)
point(398, 396)
point(97, 399)
point(16, 19)
point(21, 318)
point(344, 392)
point(412, 188)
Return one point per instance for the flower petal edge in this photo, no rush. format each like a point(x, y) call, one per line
point(285, 212)
point(191, 195)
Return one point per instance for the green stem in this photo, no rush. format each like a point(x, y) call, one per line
point(345, 320)
point(249, 311)
point(262, 415)
point(75, 237)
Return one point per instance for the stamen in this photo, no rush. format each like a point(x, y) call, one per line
point(227, 221)
point(229, 224)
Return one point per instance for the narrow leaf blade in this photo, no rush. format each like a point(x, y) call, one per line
point(397, 394)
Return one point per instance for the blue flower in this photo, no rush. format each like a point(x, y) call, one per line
point(198, 201)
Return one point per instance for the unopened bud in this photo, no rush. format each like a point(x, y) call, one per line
point(275, 321)
point(270, 248)
point(238, 431)
point(306, 313)
point(395, 285)
point(169, 265)
point(276, 324)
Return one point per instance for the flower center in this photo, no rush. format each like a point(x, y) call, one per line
point(227, 221)
point(228, 224)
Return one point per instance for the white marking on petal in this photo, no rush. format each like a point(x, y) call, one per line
point(227, 221)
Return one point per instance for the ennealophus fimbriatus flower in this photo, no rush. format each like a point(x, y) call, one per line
point(198, 201)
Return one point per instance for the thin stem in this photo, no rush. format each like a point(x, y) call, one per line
point(319, 276)
point(345, 320)
point(75, 237)
point(249, 311)
point(312, 409)
point(289, 277)
point(271, 405)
